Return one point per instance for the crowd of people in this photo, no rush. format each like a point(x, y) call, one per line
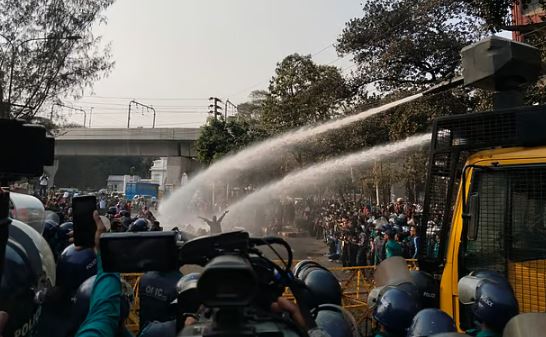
point(359, 234)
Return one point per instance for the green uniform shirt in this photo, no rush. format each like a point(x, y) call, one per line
point(482, 333)
point(104, 308)
point(487, 333)
point(393, 248)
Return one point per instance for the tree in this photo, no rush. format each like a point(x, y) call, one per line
point(51, 66)
point(497, 13)
point(219, 137)
point(303, 93)
point(252, 110)
point(408, 44)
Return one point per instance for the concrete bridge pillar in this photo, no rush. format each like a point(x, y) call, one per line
point(176, 167)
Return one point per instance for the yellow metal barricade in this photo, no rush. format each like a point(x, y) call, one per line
point(132, 322)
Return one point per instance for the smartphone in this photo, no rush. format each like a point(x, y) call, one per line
point(82, 217)
point(139, 252)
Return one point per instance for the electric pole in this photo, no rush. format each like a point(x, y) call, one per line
point(214, 107)
point(228, 102)
point(143, 106)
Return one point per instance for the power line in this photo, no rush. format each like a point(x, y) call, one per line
point(150, 98)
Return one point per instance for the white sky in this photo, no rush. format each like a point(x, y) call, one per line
point(174, 54)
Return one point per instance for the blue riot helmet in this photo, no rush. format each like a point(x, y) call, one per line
point(74, 267)
point(82, 297)
point(427, 288)
point(188, 300)
point(335, 320)
point(430, 321)
point(29, 273)
point(140, 225)
point(495, 305)
point(16, 292)
point(492, 301)
point(50, 234)
point(323, 286)
point(63, 238)
point(157, 291)
point(50, 230)
point(395, 310)
point(491, 275)
point(304, 266)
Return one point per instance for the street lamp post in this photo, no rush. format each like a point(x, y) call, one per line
point(15, 47)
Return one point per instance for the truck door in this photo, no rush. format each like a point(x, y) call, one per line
point(511, 234)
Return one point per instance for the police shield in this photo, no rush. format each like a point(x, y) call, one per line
point(392, 271)
point(28, 209)
point(526, 325)
point(38, 252)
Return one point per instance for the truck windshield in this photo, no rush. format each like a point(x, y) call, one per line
point(512, 218)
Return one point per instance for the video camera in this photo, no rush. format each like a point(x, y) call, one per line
point(236, 288)
point(28, 148)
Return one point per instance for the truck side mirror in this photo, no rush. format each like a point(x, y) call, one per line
point(472, 216)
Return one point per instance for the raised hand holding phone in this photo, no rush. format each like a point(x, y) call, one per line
point(83, 209)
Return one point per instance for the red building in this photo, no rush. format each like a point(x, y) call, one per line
point(531, 14)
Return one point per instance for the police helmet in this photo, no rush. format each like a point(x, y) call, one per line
point(62, 234)
point(495, 304)
point(51, 228)
point(125, 213)
point(323, 287)
point(426, 287)
point(335, 320)
point(140, 225)
point(188, 300)
point(491, 275)
point(430, 321)
point(82, 297)
point(395, 310)
point(112, 210)
point(74, 267)
point(305, 265)
point(16, 292)
point(156, 292)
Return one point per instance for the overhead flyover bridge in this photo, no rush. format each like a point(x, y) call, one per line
point(174, 143)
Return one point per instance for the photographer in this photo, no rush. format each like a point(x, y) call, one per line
point(104, 309)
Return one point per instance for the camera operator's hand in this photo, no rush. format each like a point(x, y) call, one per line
point(3, 322)
point(284, 305)
point(100, 229)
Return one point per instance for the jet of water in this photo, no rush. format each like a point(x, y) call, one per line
point(178, 207)
point(242, 213)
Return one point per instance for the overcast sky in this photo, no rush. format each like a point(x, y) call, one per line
point(174, 54)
